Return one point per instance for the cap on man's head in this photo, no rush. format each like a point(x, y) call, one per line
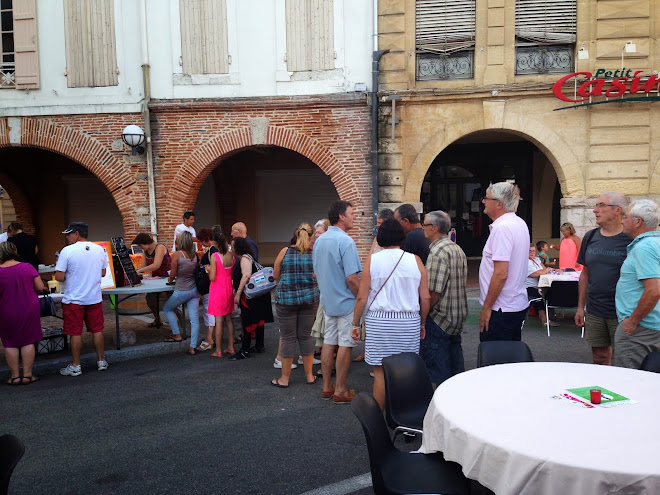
point(76, 227)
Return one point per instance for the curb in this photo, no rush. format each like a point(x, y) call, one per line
point(113, 356)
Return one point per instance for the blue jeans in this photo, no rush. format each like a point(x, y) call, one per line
point(191, 300)
point(442, 353)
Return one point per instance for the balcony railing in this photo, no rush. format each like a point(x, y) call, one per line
point(544, 59)
point(432, 67)
point(7, 76)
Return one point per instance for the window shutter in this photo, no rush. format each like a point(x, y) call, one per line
point(546, 21)
point(91, 56)
point(204, 36)
point(444, 26)
point(310, 35)
point(25, 44)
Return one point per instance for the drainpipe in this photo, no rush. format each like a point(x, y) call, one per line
point(146, 83)
point(374, 117)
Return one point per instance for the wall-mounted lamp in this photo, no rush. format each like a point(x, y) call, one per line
point(629, 47)
point(583, 53)
point(133, 136)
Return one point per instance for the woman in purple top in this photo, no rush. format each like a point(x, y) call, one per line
point(20, 313)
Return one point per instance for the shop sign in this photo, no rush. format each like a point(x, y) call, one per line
point(608, 84)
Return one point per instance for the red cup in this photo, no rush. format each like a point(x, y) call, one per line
point(595, 395)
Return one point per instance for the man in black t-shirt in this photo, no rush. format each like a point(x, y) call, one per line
point(602, 253)
point(26, 244)
point(416, 242)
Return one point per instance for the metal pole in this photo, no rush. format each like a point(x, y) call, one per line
point(374, 133)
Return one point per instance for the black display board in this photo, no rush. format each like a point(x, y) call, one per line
point(125, 259)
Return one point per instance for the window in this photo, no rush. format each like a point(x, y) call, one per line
point(545, 36)
point(204, 36)
point(91, 57)
point(19, 66)
point(444, 39)
point(310, 35)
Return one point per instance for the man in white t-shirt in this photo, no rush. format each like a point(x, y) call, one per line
point(186, 226)
point(82, 264)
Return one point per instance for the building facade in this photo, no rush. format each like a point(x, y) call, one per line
point(260, 118)
point(478, 101)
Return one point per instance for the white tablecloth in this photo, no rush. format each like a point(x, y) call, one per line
point(502, 426)
point(546, 280)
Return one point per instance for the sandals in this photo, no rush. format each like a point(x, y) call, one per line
point(276, 383)
point(204, 346)
point(313, 381)
point(14, 380)
point(30, 379)
point(172, 339)
point(231, 351)
point(155, 324)
point(217, 354)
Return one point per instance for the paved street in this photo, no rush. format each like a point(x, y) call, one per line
point(195, 424)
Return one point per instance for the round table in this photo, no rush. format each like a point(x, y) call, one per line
point(501, 424)
point(546, 280)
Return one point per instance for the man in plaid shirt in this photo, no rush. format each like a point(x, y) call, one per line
point(447, 272)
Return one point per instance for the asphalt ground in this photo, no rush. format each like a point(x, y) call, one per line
point(179, 424)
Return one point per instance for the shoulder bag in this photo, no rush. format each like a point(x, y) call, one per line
point(363, 332)
point(261, 282)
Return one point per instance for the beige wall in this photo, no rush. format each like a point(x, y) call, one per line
point(591, 150)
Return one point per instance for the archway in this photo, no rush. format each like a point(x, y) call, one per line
point(271, 189)
point(50, 190)
point(458, 177)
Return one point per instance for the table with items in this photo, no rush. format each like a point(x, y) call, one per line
point(530, 428)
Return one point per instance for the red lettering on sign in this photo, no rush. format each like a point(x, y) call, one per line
point(618, 87)
point(556, 88)
point(587, 90)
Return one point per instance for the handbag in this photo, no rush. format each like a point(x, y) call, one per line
point(363, 330)
point(47, 306)
point(261, 282)
point(202, 281)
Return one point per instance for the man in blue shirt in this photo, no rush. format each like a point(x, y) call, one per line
point(638, 290)
point(336, 265)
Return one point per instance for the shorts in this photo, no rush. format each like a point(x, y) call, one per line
point(599, 332)
point(338, 330)
point(209, 320)
point(74, 315)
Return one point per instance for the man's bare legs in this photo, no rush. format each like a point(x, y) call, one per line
point(343, 365)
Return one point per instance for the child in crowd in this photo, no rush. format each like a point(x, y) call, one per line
point(542, 247)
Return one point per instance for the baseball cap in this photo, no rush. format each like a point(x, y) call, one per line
point(76, 227)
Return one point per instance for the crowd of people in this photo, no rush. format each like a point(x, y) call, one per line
point(410, 296)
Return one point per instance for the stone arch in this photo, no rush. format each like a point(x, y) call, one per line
point(191, 174)
point(566, 164)
point(22, 207)
point(84, 150)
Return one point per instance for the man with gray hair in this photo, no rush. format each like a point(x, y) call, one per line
point(638, 289)
point(601, 255)
point(446, 268)
point(503, 268)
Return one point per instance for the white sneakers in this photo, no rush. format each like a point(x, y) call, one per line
point(316, 361)
point(278, 364)
point(71, 370)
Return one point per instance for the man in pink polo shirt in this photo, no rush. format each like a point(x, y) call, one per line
point(503, 266)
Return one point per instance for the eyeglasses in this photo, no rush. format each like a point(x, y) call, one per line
point(489, 199)
point(603, 205)
point(428, 225)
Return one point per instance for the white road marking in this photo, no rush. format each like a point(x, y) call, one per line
point(345, 487)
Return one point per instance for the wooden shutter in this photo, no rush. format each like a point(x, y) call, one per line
point(25, 44)
point(444, 26)
point(310, 43)
point(204, 36)
point(91, 56)
point(546, 21)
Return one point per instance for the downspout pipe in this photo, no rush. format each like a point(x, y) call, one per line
point(146, 116)
point(374, 133)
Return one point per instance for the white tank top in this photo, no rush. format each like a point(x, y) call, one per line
point(401, 293)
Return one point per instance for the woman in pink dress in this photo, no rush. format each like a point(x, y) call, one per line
point(569, 247)
point(20, 313)
point(221, 296)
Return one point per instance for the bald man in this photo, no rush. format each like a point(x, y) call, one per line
point(240, 230)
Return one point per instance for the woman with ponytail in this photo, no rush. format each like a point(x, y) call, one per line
point(297, 301)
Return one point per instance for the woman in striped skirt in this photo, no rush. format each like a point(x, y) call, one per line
point(394, 290)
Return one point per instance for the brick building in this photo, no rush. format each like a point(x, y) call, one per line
point(252, 118)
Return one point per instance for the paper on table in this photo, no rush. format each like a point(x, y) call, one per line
point(608, 398)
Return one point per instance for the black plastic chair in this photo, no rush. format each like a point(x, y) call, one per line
point(396, 472)
point(503, 352)
point(408, 392)
point(651, 362)
point(561, 294)
point(11, 451)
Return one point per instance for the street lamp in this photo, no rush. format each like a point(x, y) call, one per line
point(133, 136)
